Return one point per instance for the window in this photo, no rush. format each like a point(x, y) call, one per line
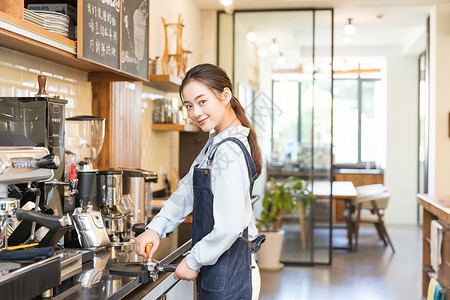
point(358, 121)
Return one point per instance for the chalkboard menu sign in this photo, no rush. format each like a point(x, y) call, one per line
point(135, 37)
point(101, 31)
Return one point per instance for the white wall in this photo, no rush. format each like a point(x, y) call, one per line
point(439, 100)
point(169, 10)
point(402, 138)
point(209, 37)
point(160, 148)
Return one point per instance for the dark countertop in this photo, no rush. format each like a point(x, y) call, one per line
point(96, 282)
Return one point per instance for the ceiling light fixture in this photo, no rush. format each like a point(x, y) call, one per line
point(229, 9)
point(226, 2)
point(349, 28)
point(281, 60)
point(251, 36)
point(274, 47)
point(262, 52)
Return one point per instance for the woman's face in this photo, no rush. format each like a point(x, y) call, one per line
point(204, 107)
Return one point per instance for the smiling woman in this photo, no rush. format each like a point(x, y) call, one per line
point(208, 110)
point(217, 192)
point(210, 83)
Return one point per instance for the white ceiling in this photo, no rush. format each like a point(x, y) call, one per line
point(402, 24)
point(271, 4)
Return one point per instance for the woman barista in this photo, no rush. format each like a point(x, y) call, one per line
point(217, 190)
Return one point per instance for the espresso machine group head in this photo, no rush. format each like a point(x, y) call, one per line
point(27, 165)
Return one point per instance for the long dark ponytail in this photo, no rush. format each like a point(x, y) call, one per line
point(216, 80)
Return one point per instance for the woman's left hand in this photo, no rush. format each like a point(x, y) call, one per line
point(183, 272)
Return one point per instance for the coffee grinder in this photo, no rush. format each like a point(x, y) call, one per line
point(84, 141)
point(109, 198)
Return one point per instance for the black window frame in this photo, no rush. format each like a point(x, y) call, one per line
point(360, 81)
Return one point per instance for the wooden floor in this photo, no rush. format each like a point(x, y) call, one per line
point(372, 273)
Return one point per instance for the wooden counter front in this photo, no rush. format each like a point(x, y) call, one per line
point(435, 207)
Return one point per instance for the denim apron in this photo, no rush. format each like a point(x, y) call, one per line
point(230, 277)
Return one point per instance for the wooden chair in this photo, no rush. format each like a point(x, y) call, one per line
point(369, 207)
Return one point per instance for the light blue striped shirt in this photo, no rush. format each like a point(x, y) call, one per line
point(232, 208)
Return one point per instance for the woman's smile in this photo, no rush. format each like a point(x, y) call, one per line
point(202, 121)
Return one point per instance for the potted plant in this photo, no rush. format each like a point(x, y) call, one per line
point(282, 196)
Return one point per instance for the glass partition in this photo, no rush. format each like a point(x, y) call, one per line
point(322, 140)
point(282, 72)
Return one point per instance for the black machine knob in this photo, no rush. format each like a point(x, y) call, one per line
point(50, 161)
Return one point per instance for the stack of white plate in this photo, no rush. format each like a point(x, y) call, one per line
point(33, 18)
point(55, 21)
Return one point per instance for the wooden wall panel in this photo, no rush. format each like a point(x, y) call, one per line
point(191, 143)
point(120, 103)
point(12, 7)
point(360, 179)
point(101, 93)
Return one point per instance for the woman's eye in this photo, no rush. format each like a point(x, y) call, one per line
point(188, 106)
point(202, 101)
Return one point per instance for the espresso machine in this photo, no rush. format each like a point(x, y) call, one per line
point(22, 269)
point(27, 164)
point(38, 121)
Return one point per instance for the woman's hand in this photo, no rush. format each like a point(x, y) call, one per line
point(184, 272)
point(148, 236)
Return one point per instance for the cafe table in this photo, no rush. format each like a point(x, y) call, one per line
point(341, 191)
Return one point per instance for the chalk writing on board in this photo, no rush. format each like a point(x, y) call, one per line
point(101, 31)
point(135, 37)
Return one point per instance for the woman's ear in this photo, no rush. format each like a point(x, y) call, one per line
point(226, 95)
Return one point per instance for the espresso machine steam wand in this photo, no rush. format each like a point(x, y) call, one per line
point(70, 187)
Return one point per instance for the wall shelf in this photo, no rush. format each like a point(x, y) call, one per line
point(164, 82)
point(18, 35)
point(175, 127)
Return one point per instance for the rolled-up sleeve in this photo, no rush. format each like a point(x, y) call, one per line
point(230, 186)
point(175, 209)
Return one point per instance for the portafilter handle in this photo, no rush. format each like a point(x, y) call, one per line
point(148, 248)
point(51, 222)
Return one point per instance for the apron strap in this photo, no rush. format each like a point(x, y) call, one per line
point(252, 175)
point(245, 233)
point(256, 243)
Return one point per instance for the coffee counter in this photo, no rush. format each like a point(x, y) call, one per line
point(435, 207)
point(97, 282)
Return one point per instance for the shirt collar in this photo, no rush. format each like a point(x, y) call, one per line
point(239, 132)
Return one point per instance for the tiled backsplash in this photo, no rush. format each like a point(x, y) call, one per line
point(159, 148)
point(18, 78)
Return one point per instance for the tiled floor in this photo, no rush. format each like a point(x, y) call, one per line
point(371, 273)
